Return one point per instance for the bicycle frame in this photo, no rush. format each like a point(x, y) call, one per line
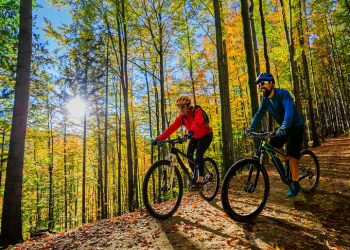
point(266, 148)
point(176, 152)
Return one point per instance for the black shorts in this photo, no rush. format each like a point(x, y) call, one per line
point(294, 139)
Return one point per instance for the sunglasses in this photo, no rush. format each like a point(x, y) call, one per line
point(262, 84)
point(181, 107)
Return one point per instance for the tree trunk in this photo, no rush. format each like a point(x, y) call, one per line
point(149, 112)
point(161, 73)
point(105, 204)
point(3, 133)
point(136, 191)
point(190, 56)
point(100, 195)
point(315, 140)
point(127, 116)
point(290, 43)
point(312, 69)
point(65, 175)
point(11, 222)
point(119, 148)
point(50, 155)
point(123, 55)
point(114, 177)
point(344, 108)
point(226, 121)
point(255, 43)
point(250, 60)
point(83, 205)
point(262, 20)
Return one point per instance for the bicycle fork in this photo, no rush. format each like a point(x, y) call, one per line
point(249, 187)
point(172, 170)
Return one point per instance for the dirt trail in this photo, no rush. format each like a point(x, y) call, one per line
point(317, 221)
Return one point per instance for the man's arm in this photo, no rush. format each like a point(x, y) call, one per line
point(259, 114)
point(288, 105)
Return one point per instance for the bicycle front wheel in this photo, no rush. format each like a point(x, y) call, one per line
point(245, 190)
point(211, 180)
point(309, 171)
point(162, 189)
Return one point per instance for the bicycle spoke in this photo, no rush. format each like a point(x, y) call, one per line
point(309, 171)
point(245, 191)
point(162, 190)
point(211, 180)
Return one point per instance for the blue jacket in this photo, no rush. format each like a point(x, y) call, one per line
point(281, 107)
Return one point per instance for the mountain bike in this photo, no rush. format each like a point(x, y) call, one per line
point(162, 188)
point(246, 184)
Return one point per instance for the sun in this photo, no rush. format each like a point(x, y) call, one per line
point(76, 108)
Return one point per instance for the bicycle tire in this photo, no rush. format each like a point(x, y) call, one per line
point(209, 196)
point(227, 202)
point(309, 160)
point(146, 194)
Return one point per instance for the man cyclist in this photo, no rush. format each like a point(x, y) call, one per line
point(279, 103)
point(199, 132)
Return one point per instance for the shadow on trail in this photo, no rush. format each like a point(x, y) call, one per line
point(177, 239)
point(332, 211)
point(281, 232)
point(202, 227)
point(214, 203)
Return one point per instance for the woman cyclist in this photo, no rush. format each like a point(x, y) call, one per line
point(199, 132)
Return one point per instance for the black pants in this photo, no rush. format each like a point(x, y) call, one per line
point(200, 145)
point(294, 139)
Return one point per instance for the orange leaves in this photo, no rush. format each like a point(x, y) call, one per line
point(132, 233)
point(156, 233)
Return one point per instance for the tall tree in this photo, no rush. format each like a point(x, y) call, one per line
point(50, 156)
point(190, 66)
point(315, 140)
point(11, 223)
point(249, 57)
point(291, 50)
point(263, 30)
point(123, 69)
point(226, 120)
point(254, 40)
point(83, 195)
point(105, 205)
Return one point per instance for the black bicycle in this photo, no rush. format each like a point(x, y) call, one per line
point(246, 184)
point(162, 187)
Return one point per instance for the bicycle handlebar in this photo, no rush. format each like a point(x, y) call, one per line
point(178, 140)
point(263, 134)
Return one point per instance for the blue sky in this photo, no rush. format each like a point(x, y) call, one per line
point(57, 16)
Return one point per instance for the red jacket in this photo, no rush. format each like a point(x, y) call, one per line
point(195, 124)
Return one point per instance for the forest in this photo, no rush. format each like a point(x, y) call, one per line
point(81, 101)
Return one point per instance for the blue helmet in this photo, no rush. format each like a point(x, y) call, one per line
point(265, 77)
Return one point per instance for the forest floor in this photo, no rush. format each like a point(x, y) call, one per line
point(317, 221)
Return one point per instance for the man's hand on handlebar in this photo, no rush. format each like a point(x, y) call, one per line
point(248, 132)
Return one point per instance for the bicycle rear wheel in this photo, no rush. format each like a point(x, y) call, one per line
point(309, 171)
point(162, 190)
point(211, 179)
point(242, 200)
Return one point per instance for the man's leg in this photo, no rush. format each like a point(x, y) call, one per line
point(294, 168)
point(293, 149)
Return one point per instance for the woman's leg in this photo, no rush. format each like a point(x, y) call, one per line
point(192, 145)
point(203, 145)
